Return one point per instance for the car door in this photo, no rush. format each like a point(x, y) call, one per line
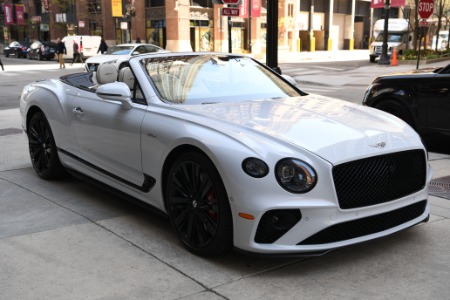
point(437, 93)
point(108, 136)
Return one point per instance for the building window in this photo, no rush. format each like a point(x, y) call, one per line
point(290, 10)
point(94, 6)
point(154, 3)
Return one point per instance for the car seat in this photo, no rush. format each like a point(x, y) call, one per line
point(126, 76)
point(106, 73)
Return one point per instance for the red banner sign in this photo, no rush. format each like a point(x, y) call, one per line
point(380, 3)
point(20, 16)
point(8, 10)
point(255, 6)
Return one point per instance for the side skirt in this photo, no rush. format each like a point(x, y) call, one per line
point(149, 182)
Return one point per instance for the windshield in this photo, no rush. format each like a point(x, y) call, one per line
point(120, 50)
point(392, 37)
point(207, 79)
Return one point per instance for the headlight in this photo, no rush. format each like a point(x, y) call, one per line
point(295, 175)
point(255, 167)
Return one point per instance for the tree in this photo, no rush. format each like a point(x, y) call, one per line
point(439, 12)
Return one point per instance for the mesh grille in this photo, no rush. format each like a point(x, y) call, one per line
point(370, 225)
point(379, 179)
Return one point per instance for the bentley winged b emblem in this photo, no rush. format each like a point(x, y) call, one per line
point(379, 145)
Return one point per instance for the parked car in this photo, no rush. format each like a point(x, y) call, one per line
point(42, 50)
point(418, 97)
point(88, 49)
point(233, 152)
point(15, 49)
point(120, 54)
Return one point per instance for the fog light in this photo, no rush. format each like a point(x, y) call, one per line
point(275, 223)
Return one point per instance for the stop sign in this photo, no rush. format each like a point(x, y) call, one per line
point(425, 8)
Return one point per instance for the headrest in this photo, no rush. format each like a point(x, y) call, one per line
point(106, 73)
point(125, 75)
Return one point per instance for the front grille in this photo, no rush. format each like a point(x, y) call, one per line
point(379, 179)
point(365, 226)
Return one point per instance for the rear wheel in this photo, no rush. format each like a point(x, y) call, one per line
point(39, 57)
point(198, 206)
point(42, 148)
point(396, 109)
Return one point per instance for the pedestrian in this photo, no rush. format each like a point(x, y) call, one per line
point(76, 53)
point(138, 40)
point(60, 51)
point(1, 64)
point(103, 46)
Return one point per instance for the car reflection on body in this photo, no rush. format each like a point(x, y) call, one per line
point(15, 49)
point(41, 50)
point(120, 54)
point(234, 153)
point(418, 97)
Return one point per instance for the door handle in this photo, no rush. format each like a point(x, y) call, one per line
point(78, 111)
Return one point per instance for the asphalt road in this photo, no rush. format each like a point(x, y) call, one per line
point(350, 91)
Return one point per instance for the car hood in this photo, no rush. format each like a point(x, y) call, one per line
point(336, 130)
point(407, 75)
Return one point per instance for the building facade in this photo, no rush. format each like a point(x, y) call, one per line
point(195, 25)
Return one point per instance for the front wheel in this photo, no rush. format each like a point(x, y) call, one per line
point(198, 206)
point(42, 148)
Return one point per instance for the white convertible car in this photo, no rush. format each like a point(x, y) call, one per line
point(234, 153)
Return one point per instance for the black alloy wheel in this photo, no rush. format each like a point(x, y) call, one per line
point(42, 148)
point(198, 206)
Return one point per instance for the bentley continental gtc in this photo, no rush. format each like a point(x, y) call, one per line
point(234, 153)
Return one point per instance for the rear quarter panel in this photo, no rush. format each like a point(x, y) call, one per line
point(49, 97)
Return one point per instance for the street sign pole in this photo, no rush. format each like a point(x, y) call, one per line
point(384, 59)
point(230, 10)
point(230, 46)
point(425, 9)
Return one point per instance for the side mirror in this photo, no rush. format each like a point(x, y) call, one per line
point(116, 91)
point(289, 79)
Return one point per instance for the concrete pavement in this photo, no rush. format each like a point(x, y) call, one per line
point(66, 239)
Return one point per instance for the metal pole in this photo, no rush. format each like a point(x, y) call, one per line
point(384, 59)
point(250, 26)
point(420, 45)
point(272, 36)
point(230, 46)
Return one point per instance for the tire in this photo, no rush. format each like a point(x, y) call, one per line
point(6, 54)
point(198, 206)
point(397, 109)
point(28, 56)
point(39, 57)
point(42, 148)
point(372, 59)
